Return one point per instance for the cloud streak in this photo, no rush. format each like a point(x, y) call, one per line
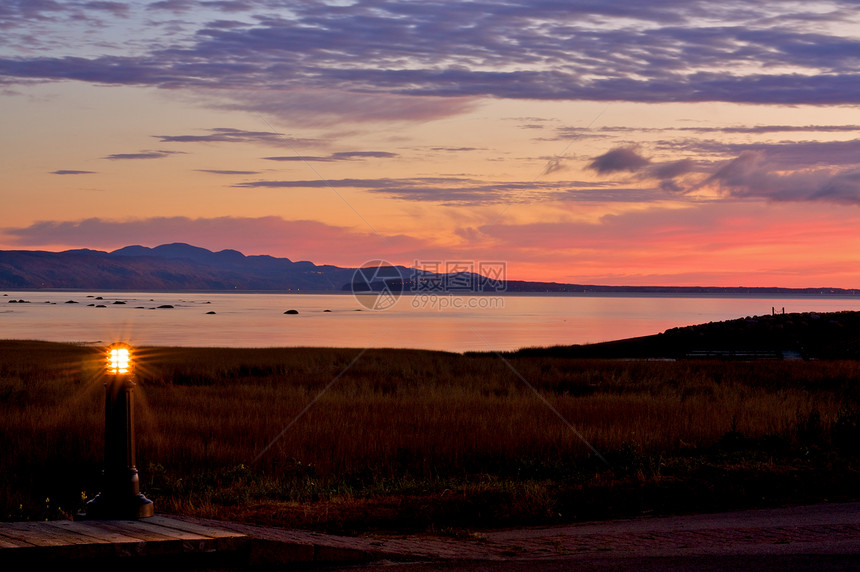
point(72, 172)
point(141, 155)
point(567, 133)
point(226, 172)
point(341, 156)
point(472, 192)
point(232, 135)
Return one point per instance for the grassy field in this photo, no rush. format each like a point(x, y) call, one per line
point(349, 441)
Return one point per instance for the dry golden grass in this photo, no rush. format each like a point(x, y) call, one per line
point(391, 424)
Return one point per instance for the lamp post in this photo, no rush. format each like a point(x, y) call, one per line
point(120, 498)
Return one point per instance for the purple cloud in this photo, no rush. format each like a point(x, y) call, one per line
point(826, 171)
point(231, 135)
point(755, 174)
point(342, 156)
point(227, 172)
point(119, 9)
point(319, 63)
point(354, 183)
point(673, 169)
point(299, 158)
point(175, 6)
point(763, 129)
point(619, 159)
point(566, 133)
point(142, 155)
point(317, 105)
point(463, 191)
point(231, 6)
point(71, 172)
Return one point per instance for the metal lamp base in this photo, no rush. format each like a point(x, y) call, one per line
point(112, 508)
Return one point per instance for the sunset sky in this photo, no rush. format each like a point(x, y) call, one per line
point(627, 142)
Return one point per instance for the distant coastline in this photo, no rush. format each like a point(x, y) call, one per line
point(184, 268)
point(514, 286)
point(585, 291)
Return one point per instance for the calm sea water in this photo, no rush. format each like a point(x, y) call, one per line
point(463, 323)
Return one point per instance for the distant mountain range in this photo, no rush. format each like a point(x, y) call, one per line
point(167, 267)
point(181, 266)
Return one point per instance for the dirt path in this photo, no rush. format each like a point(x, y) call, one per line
point(814, 537)
point(821, 533)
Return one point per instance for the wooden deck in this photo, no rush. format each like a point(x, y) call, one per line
point(811, 537)
point(176, 543)
point(149, 540)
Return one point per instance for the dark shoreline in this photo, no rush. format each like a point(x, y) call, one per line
point(600, 291)
point(805, 335)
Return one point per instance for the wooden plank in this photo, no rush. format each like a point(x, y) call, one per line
point(190, 542)
point(9, 542)
point(105, 542)
point(50, 542)
point(129, 528)
point(146, 543)
point(34, 533)
point(70, 534)
point(175, 532)
point(98, 535)
point(201, 529)
point(225, 540)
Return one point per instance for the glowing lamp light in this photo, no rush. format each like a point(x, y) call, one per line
point(119, 360)
point(120, 498)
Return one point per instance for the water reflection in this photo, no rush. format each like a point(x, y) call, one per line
point(468, 323)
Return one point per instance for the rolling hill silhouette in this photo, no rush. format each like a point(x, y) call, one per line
point(180, 266)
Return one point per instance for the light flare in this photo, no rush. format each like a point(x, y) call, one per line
point(119, 359)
